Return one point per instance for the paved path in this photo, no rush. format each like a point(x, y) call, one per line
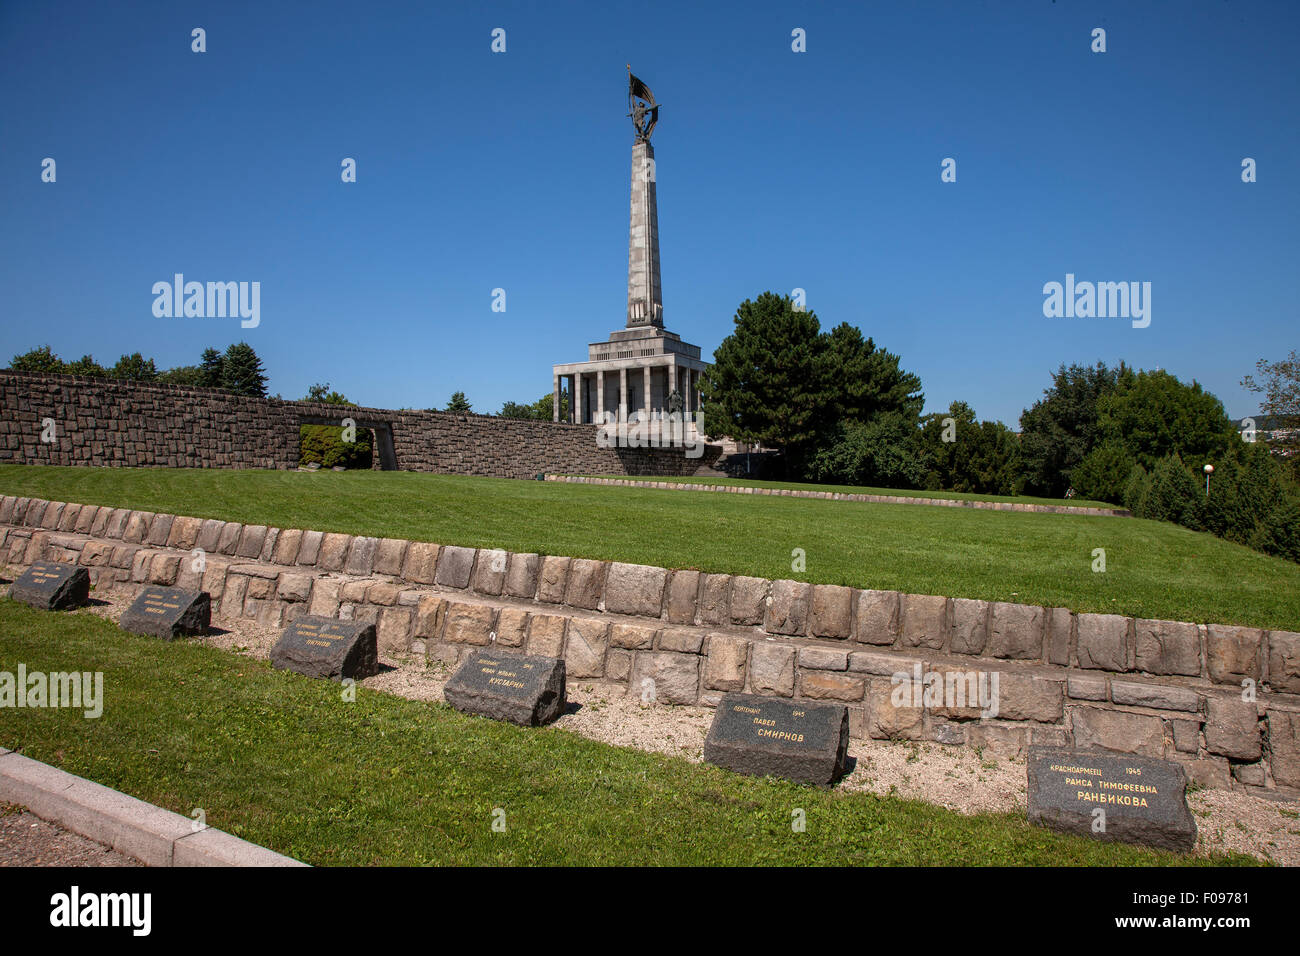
point(27, 840)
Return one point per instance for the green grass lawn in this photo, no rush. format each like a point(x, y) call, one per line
point(1153, 569)
point(283, 761)
point(863, 490)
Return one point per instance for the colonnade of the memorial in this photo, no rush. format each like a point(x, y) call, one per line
point(643, 392)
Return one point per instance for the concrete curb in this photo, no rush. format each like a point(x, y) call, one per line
point(152, 835)
point(974, 503)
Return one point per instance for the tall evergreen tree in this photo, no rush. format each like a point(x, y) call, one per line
point(768, 382)
point(458, 403)
point(242, 371)
point(212, 365)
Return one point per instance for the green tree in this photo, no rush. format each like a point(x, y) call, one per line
point(880, 453)
point(768, 383)
point(321, 393)
point(458, 403)
point(213, 366)
point(866, 380)
point(86, 366)
point(1104, 473)
point(37, 360)
point(1153, 415)
point(190, 375)
point(242, 371)
point(1281, 402)
point(1061, 428)
point(135, 368)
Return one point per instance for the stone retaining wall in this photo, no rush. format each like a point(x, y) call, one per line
point(845, 496)
point(114, 422)
point(1157, 688)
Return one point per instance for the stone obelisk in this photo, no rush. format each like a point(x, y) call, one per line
point(645, 304)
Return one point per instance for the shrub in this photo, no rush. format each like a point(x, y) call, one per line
point(324, 445)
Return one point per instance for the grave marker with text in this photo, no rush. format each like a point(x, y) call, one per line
point(1111, 797)
point(327, 647)
point(799, 740)
point(520, 688)
point(51, 586)
point(168, 613)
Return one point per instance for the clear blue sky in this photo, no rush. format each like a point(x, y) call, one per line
point(776, 170)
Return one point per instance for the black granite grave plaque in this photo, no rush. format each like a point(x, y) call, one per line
point(520, 688)
point(798, 740)
point(327, 647)
point(168, 613)
point(1111, 797)
point(52, 586)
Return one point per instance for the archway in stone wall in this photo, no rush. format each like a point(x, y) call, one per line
point(385, 450)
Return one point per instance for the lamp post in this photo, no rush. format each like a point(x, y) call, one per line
point(1209, 470)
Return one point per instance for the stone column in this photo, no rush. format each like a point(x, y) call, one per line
point(672, 382)
point(622, 395)
point(555, 399)
point(600, 395)
point(645, 304)
point(645, 376)
point(573, 398)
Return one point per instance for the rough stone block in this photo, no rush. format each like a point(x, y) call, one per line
point(393, 631)
point(1102, 642)
point(1117, 730)
point(748, 600)
point(1016, 631)
point(771, 668)
point(635, 589)
point(683, 586)
point(490, 570)
point(724, 667)
point(512, 627)
point(820, 685)
point(681, 640)
point(713, 604)
point(1022, 697)
point(546, 635)
point(1284, 744)
point(468, 624)
point(389, 555)
point(333, 551)
point(1158, 696)
point(420, 564)
point(970, 626)
point(1167, 647)
point(521, 575)
point(552, 579)
point(665, 678)
point(586, 582)
point(878, 617)
point(832, 611)
point(1232, 728)
point(632, 636)
point(891, 711)
point(584, 653)
point(788, 611)
point(925, 621)
point(1234, 654)
point(824, 658)
point(1284, 661)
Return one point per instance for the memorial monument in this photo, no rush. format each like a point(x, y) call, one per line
point(642, 371)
